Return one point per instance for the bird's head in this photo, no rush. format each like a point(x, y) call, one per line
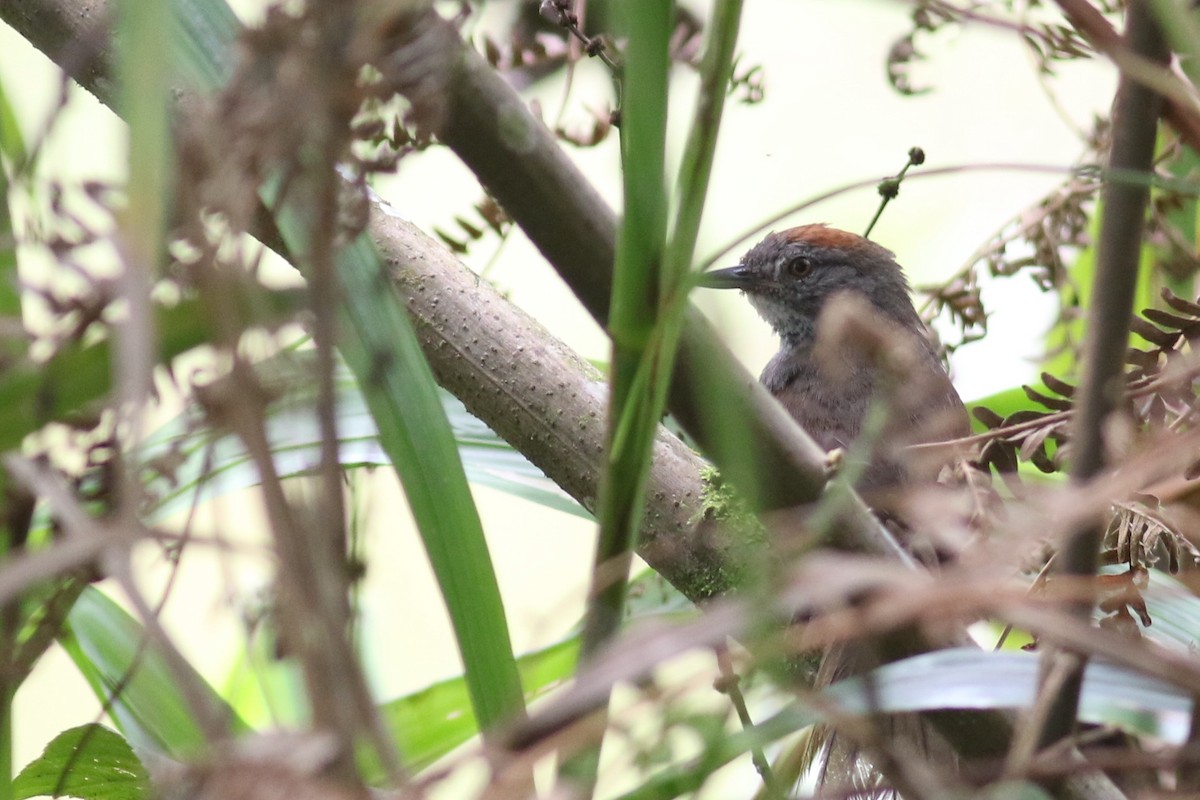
point(790, 276)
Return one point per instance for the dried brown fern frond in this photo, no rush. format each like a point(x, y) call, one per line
point(1026, 435)
point(1049, 37)
point(1140, 535)
point(1159, 385)
point(1039, 242)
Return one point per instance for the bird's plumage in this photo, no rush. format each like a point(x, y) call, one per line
point(850, 338)
point(792, 278)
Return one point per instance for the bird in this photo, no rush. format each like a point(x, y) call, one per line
point(850, 337)
point(795, 279)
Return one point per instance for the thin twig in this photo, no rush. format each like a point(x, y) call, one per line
point(730, 685)
point(889, 188)
point(867, 183)
point(561, 13)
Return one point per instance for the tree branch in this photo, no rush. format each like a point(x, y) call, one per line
point(546, 401)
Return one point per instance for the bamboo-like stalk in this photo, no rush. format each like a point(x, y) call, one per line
point(1118, 253)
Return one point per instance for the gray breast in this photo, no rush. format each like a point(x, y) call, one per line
point(831, 402)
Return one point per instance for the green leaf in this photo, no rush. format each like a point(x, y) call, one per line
point(378, 342)
point(963, 678)
point(1013, 790)
point(380, 346)
point(111, 649)
point(265, 690)
point(196, 467)
point(12, 157)
point(1175, 612)
point(208, 30)
point(146, 33)
point(635, 380)
point(687, 778)
point(71, 383)
point(12, 143)
point(966, 678)
point(1066, 336)
point(91, 762)
point(430, 723)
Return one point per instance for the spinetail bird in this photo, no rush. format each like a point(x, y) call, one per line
point(804, 282)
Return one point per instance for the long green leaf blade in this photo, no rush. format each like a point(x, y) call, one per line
point(203, 468)
point(111, 649)
point(380, 346)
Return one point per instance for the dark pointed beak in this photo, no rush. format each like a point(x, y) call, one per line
point(738, 277)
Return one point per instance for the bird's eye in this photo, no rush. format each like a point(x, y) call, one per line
point(799, 267)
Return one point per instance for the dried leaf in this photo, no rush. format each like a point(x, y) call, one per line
point(1059, 387)
point(1172, 321)
point(1053, 403)
point(1179, 304)
point(988, 417)
point(1152, 333)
